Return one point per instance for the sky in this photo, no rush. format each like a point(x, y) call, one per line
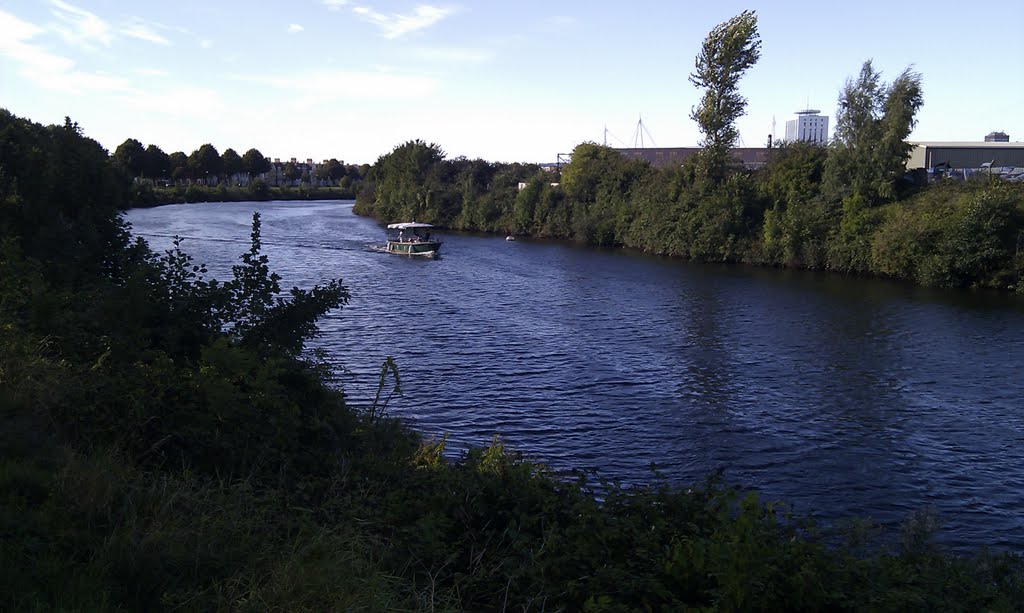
point(499, 80)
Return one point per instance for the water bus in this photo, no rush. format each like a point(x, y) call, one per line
point(410, 238)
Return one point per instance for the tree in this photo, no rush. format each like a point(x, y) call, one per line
point(231, 163)
point(59, 200)
point(729, 50)
point(407, 181)
point(869, 151)
point(332, 170)
point(254, 163)
point(158, 163)
point(130, 158)
point(205, 161)
point(179, 166)
point(291, 171)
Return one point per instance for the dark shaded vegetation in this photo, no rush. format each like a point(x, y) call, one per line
point(167, 443)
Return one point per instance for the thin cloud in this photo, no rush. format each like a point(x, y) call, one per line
point(395, 24)
point(79, 27)
point(54, 72)
point(34, 60)
point(295, 28)
point(44, 68)
point(14, 30)
point(142, 31)
point(334, 5)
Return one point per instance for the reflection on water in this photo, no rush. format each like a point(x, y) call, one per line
point(840, 396)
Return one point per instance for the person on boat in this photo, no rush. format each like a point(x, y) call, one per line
point(401, 236)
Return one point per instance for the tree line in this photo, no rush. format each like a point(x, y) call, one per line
point(166, 443)
point(136, 161)
point(150, 176)
point(847, 207)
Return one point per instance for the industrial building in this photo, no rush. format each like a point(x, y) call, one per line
point(995, 154)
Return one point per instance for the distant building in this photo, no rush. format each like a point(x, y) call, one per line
point(998, 154)
point(997, 137)
point(808, 127)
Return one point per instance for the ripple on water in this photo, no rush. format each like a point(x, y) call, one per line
point(841, 397)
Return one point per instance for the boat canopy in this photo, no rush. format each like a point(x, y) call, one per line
point(405, 225)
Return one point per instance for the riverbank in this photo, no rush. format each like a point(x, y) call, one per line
point(169, 445)
point(144, 195)
point(792, 213)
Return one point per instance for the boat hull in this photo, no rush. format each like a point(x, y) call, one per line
point(421, 248)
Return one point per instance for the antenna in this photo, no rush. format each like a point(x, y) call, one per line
point(608, 133)
point(638, 135)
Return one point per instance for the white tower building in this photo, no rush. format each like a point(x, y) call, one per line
point(808, 126)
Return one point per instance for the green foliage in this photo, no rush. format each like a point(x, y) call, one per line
point(179, 166)
point(781, 215)
point(849, 250)
point(729, 50)
point(254, 163)
point(259, 190)
point(168, 445)
point(59, 197)
point(873, 121)
point(130, 158)
point(956, 236)
point(158, 163)
point(406, 180)
point(415, 182)
point(231, 163)
point(205, 163)
point(598, 182)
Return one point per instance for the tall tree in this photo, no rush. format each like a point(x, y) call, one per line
point(332, 170)
point(231, 163)
point(158, 163)
point(873, 121)
point(291, 171)
point(179, 166)
point(407, 181)
point(254, 163)
point(59, 197)
point(729, 50)
point(130, 158)
point(204, 162)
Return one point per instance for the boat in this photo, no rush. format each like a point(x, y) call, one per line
point(510, 238)
point(410, 238)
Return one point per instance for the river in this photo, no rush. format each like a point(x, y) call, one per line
point(841, 397)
